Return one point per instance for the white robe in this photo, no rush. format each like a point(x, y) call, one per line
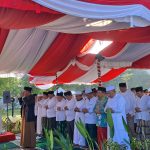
point(143, 104)
point(70, 114)
point(39, 118)
point(36, 108)
point(60, 115)
point(90, 117)
point(44, 104)
point(78, 138)
point(130, 102)
point(117, 103)
point(51, 112)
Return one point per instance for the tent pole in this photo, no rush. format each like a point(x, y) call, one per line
point(99, 73)
point(56, 83)
point(99, 58)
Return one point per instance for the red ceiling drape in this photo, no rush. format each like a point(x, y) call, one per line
point(143, 63)
point(3, 37)
point(16, 19)
point(26, 5)
point(146, 3)
point(113, 49)
point(132, 35)
point(30, 5)
point(64, 48)
point(113, 73)
point(74, 72)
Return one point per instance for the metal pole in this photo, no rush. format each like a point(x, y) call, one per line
point(7, 117)
point(12, 108)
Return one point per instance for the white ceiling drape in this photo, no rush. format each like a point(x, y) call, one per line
point(129, 13)
point(24, 48)
point(72, 24)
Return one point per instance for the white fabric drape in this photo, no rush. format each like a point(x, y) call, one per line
point(23, 49)
point(72, 24)
point(44, 87)
point(91, 75)
point(132, 53)
point(88, 77)
point(97, 11)
point(42, 79)
point(115, 65)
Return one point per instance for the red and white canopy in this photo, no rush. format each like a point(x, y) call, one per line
point(45, 38)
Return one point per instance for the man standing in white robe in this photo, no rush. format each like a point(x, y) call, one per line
point(79, 140)
point(116, 104)
point(70, 114)
point(51, 112)
point(38, 108)
point(43, 104)
point(60, 113)
point(129, 107)
point(142, 113)
point(90, 115)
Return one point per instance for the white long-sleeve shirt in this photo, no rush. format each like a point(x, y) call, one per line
point(43, 104)
point(70, 114)
point(51, 112)
point(143, 104)
point(130, 102)
point(60, 115)
point(90, 117)
point(80, 115)
point(36, 108)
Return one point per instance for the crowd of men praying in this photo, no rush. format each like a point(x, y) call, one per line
point(62, 110)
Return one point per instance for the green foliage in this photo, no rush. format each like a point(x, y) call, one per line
point(110, 145)
point(15, 85)
point(81, 127)
point(73, 87)
point(13, 124)
point(49, 139)
point(10, 84)
point(64, 142)
point(136, 144)
point(133, 77)
point(5, 147)
point(110, 123)
point(126, 127)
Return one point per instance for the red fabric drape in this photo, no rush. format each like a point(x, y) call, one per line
point(146, 3)
point(64, 48)
point(143, 63)
point(74, 72)
point(26, 5)
point(113, 73)
point(3, 37)
point(132, 35)
point(15, 19)
point(30, 5)
point(113, 49)
point(88, 59)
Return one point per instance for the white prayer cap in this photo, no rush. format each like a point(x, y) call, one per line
point(110, 88)
point(60, 90)
point(78, 93)
point(88, 90)
point(73, 92)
